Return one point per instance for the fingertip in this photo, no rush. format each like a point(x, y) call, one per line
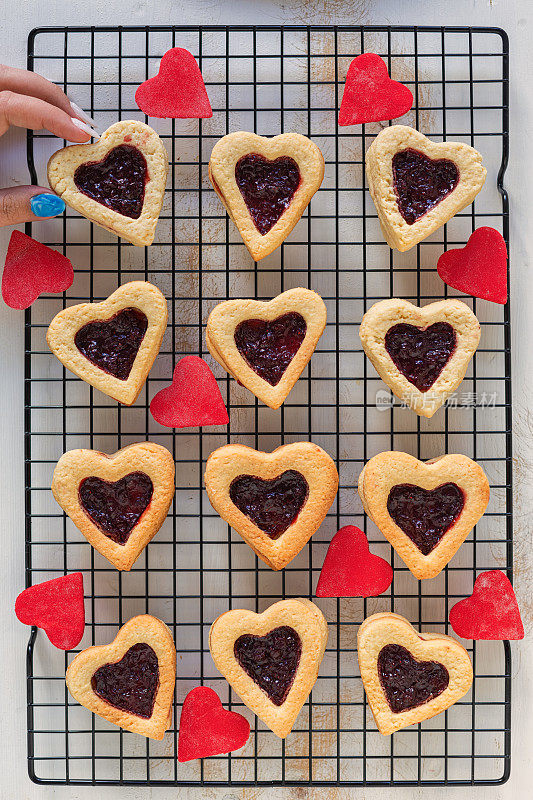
point(81, 114)
point(47, 205)
point(28, 204)
point(85, 129)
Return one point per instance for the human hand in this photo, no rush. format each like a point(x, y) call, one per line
point(28, 100)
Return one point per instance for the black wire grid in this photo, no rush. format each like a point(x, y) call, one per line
point(270, 80)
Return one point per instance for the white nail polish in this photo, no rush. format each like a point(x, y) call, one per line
point(84, 127)
point(79, 112)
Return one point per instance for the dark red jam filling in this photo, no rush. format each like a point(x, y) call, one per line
point(271, 661)
point(117, 182)
point(267, 187)
point(113, 344)
point(408, 683)
point(424, 515)
point(269, 347)
point(130, 684)
point(116, 508)
point(272, 505)
point(421, 183)
point(421, 353)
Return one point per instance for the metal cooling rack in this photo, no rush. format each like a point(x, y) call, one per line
point(270, 80)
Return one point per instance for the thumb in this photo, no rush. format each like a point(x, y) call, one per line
point(28, 204)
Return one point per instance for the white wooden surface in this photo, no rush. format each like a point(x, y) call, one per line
point(516, 16)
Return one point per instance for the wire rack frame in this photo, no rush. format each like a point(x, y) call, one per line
point(271, 79)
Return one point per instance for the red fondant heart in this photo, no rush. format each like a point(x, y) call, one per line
point(480, 268)
point(350, 569)
point(370, 95)
point(32, 268)
point(57, 607)
point(207, 729)
point(192, 399)
point(491, 611)
point(177, 91)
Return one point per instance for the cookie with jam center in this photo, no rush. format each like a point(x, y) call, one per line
point(118, 182)
point(417, 185)
point(422, 354)
point(425, 509)
point(265, 184)
point(118, 502)
point(409, 676)
point(131, 681)
point(113, 344)
point(275, 501)
point(271, 659)
point(266, 346)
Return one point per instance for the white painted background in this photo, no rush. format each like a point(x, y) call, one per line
point(17, 17)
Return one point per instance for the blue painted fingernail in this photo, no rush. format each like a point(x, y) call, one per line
point(47, 205)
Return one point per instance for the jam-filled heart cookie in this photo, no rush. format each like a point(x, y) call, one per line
point(417, 185)
point(271, 659)
point(118, 183)
point(266, 346)
point(265, 184)
point(129, 682)
point(425, 509)
point(118, 502)
point(112, 345)
point(409, 676)
point(421, 353)
point(275, 501)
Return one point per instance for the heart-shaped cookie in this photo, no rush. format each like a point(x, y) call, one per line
point(192, 399)
point(421, 353)
point(177, 91)
point(271, 659)
point(417, 185)
point(266, 346)
point(479, 268)
point(32, 268)
point(370, 95)
point(275, 501)
point(491, 612)
point(112, 345)
point(57, 607)
point(129, 682)
point(118, 183)
point(265, 184)
point(118, 502)
point(409, 676)
point(350, 569)
point(207, 729)
point(425, 509)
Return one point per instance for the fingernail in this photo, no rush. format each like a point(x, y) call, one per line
point(83, 115)
point(47, 205)
point(84, 127)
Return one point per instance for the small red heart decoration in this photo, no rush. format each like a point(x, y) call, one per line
point(350, 569)
point(491, 611)
point(479, 268)
point(207, 729)
point(192, 399)
point(177, 91)
point(32, 268)
point(370, 95)
point(57, 607)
